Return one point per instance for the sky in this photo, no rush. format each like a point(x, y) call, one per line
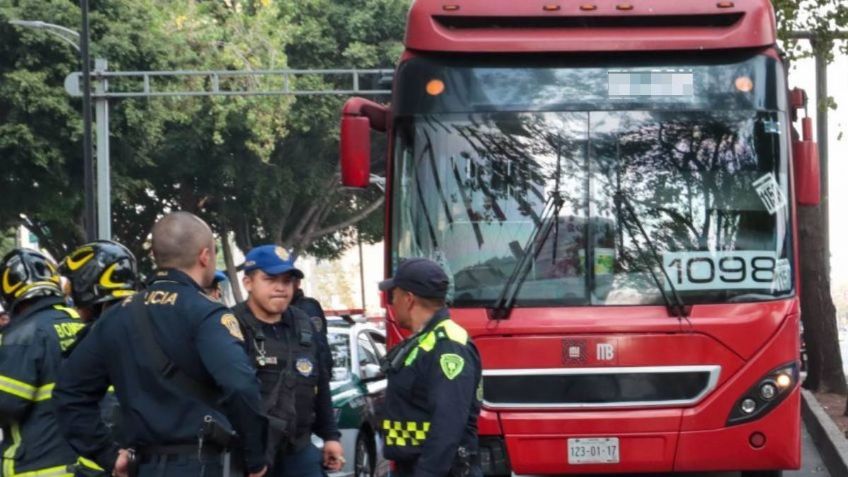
point(803, 75)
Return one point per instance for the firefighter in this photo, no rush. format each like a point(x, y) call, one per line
point(99, 274)
point(434, 376)
point(41, 328)
point(176, 358)
point(290, 355)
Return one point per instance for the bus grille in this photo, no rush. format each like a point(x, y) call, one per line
point(460, 22)
point(566, 388)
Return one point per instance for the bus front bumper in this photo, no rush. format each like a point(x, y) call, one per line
point(649, 441)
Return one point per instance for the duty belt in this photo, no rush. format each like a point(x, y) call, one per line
point(174, 452)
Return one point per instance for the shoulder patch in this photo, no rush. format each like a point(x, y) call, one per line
point(232, 325)
point(452, 364)
point(453, 331)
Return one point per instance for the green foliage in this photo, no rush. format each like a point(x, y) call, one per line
point(253, 165)
point(326, 34)
point(821, 17)
point(7, 241)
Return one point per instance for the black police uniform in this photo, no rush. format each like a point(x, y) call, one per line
point(110, 410)
point(312, 308)
point(292, 350)
point(433, 401)
point(161, 419)
point(30, 357)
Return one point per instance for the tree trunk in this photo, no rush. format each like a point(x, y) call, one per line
point(231, 266)
point(817, 310)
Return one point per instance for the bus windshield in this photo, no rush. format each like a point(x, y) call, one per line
point(699, 151)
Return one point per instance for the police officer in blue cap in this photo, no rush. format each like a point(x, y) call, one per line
point(432, 397)
point(291, 358)
point(216, 288)
point(187, 390)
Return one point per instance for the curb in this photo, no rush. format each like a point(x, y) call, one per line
point(830, 441)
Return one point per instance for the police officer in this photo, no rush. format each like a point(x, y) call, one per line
point(432, 401)
point(310, 306)
point(30, 356)
point(177, 361)
point(216, 288)
point(100, 274)
point(289, 354)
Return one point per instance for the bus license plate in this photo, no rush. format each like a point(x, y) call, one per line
point(601, 450)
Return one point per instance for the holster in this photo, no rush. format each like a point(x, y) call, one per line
point(213, 432)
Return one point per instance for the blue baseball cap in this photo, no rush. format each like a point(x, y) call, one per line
point(271, 259)
point(220, 276)
point(420, 276)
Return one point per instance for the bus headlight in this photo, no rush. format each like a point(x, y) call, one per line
point(768, 391)
point(766, 394)
point(748, 406)
point(784, 380)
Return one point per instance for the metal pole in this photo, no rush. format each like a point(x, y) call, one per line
point(87, 160)
point(104, 185)
point(361, 271)
point(821, 130)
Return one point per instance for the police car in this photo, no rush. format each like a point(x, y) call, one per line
point(358, 387)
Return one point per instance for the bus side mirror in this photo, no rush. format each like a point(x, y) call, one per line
point(805, 158)
point(355, 151)
point(359, 117)
point(805, 153)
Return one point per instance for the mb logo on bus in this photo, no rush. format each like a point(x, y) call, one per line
point(605, 352)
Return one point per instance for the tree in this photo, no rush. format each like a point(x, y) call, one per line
point(202, 152)
point(304, 207)
point(40, 131)
point(256, 166)
point(825, 372)
point(164, 152)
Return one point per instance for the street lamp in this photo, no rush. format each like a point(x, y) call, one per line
point(98, 215)
point(65, 34)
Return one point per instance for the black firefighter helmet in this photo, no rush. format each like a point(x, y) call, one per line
point(100, 272)
point(26, 274)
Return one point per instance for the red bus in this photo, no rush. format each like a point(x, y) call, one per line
point(612, 187)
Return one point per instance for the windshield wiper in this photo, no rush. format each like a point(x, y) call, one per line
point(506, 299)
point(674, 304)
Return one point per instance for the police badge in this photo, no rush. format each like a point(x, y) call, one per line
point(282, 253)
point(304, 366)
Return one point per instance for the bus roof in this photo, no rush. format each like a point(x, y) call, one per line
point(510, 26)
